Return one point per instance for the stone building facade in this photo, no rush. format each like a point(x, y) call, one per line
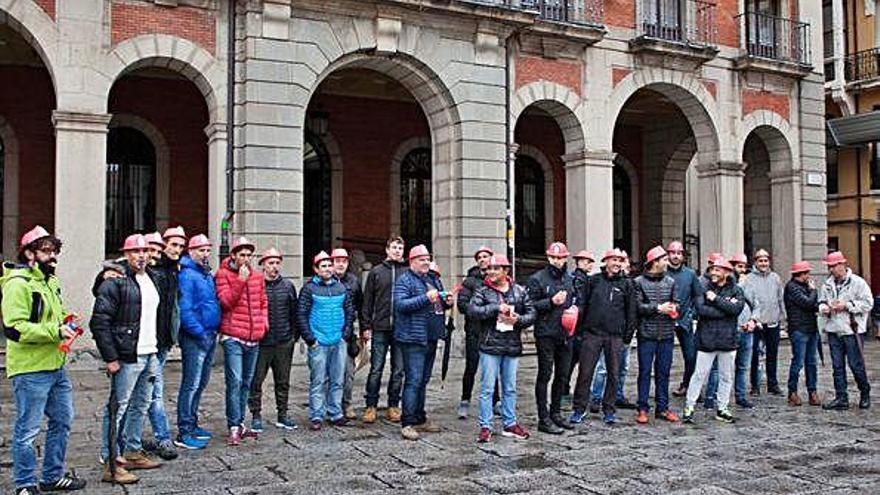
point(627, 122)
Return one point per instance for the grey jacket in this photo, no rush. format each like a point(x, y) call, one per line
point(767, 290)
point(750, 308)
point(854, 291)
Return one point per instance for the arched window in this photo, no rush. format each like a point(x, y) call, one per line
point(318, 205)
point(131, 186)
point(529, 213)
point(622, 209)
point(415, 197)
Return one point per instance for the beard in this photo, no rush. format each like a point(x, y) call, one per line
point(47, 267)
point(206, 263)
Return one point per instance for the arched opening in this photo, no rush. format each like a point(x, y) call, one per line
point(131, 186)
point(415, 197)
point(530, 213)
point(623, 206)
point(757, 196)
point(318, 201)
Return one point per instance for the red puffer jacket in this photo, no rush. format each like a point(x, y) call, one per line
point(244, 304)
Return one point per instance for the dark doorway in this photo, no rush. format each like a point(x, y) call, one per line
point(131, 186)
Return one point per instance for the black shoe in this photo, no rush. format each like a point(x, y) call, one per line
point(27, 490)
point(865, 401)
point(561, 422)
point(67, 483)
point(547, 426)
point(624, 404)
point(744, 403)
point(774, 390)
point(838, 404)
point(595, 406)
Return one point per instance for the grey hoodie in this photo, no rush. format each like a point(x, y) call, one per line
point(854, 291)
point(767, 289)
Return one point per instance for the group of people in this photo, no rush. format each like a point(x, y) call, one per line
point(163, 292)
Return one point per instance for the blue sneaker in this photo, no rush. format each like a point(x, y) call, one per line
point(577, 417)
point(286, 423)
point(257, 424)
point(190, 442)
point(609, 419)
point(201, 433)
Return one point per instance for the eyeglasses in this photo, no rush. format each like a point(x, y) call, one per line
point(48, 251)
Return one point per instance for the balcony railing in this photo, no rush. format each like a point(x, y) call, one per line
point(590, 12)
point(683, 21)
point(775, 38)
point(863, 65)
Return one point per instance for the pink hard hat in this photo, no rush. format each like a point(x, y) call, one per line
point(32, 235)
point(134, 242)
point(675, 246)
point(434, 267)
point(242, 243)
point(199, 241)
point(418, 252)
point(499, 260)
point(557, 249)
point(483, 249)
point(584, 255)
point(714, 257)
point(269, 254)
point(835, 258)
point(339, 253)
point(174, 232)
point(154, 238)
point(322, 256)
point(612, 253)
point(723, 263)
point(801, 267)
point(739, 258)
point(655, 253)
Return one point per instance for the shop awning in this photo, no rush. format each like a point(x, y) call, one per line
point(853, 130)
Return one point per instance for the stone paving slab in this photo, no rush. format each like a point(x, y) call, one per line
point(771, 449)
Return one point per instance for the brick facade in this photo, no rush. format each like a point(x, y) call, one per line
point(531, 69)
point(48, 6)
point(131, 19)
point(757, 99)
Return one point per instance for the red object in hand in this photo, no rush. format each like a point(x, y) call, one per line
point(674, 314)
point(570, 319)
point(78, 330)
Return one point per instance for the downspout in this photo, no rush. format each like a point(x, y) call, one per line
point(859, 219)
point(511, 157)
point(230, 130)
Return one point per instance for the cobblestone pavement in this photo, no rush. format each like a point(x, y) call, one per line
point(771, 449)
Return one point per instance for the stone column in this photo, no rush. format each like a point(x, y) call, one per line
point(785, 197)
point(721, 208)
point(589, 202)
point(217, 141)
point(80, 197)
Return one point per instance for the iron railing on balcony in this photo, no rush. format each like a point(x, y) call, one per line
point(776, 38)
point(590, 12)
point(684, 21)
point(863, 65)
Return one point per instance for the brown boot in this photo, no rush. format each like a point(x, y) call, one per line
point(814, 399)
point(428, 427)
point(393, 414)
point(369, 415)
point(123, 477)
point(794, 399)
point(138, 460)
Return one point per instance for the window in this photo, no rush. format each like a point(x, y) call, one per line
point(317, 200)
point(828, 38)
point(833, 244)
point(762, 27)
point(131, 186)
point(529, 211)
point(663, 19)
point(415, 197)
point(830, 164)
point(875, 161)
point(622, 209)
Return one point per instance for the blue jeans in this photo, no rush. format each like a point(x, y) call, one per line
point(158, 416)
point(48, 393)
point(598, 386)
point(415, 357)
point(688, 342)
point(656, 354)
point(239, 366)
point(493, 367)
point(197, 356)
point(847, 348)
point(326, 361)
point(381, 343)
point(133, 384)
point(804, 351)
point(743, 363)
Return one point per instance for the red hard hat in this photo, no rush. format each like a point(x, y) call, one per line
point(155, 238)
point(433, 267)
point(174, 232)
point(835, 258)
point(418, 251)
point(612, 253)
point(499, 260)
point(739, 258)
point(339, 253)
point(713, 257)
point(675, 246)
point(570, 319)
point(242, 243)
point(723, 263)
point(584, 255)
point(557, 249)
point(32, 235)
point(320, 257)
point(483, 249)
point(801, 267)
point(655, 253)
point(270, 254)
point(199, 241)
point(134, 241)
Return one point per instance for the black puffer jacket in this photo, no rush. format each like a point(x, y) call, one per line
point(281, 295)
point(469, 286)
point(542, 286)
point(611, 306)
point(378, 304)
point(356, 292)
point(717, 325)
point(652, 291)
point(166, 271)
point(116, 317)
point(580, 279)
point(801, 306)
point(483, 311)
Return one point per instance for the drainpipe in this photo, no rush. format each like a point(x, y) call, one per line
point(510, 156)
point(230, 131)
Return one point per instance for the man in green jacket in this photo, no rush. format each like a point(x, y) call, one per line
point(34, 324)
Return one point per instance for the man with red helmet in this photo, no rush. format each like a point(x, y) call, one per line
point(341, 270)
point(767, 288)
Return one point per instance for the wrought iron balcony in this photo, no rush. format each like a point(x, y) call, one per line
point(682, 21)
point(863, 65)
point(775, 38)
point(590, 12)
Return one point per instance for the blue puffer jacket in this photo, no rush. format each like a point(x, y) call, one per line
point(325, 312)
point(687, 288)
point(437, 328)
point(199, 309)
point(414, 319)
